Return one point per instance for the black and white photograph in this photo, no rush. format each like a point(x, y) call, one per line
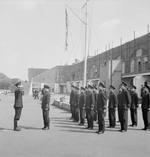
point(74, 78)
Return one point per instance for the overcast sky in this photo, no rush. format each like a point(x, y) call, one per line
point(32, 32)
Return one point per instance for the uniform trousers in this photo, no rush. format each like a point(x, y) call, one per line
point(18, 111)
point(46, 118)
point(112, 117)
point(76, 114)
point(82, 115)
point(145, 117)
point(90, 117)
point(133, 116)
point(101, 120)
point(124, 119)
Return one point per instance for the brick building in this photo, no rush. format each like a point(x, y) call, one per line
point(130, 62)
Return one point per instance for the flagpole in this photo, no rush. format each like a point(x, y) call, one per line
point(85, 48)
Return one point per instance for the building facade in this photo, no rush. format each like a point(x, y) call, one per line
point(129, 62)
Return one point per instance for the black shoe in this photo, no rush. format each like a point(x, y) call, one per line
point(131, 125)
point(100, 132)
point(45, 128)
point(144, 129)
point(17, 129)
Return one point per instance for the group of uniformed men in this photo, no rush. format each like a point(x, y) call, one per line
point(18, 105)
point(91, 103)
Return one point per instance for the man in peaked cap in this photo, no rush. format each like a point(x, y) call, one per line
point(45, 107)
point(89, 106)
point(112, 107)
point(18, 105)
point(134, 106)
point(124, 105)
point(72, 101)
point(95, 93)
point(101, 108)
point(76, 104)
point(82, 106)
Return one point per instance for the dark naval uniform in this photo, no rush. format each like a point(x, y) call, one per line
point(18, 105)
point(95, 105)
point(123, 105)
point(133, 108)
point(76, 105)
point(82, 108)
point(46, 108)
point(89, 109)
point(101, 107)
point(145, 108)
point(71, 103)
point(112, 109)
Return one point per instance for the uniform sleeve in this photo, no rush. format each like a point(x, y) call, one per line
point(115, 101)
point(149, 101)
point(128, 98)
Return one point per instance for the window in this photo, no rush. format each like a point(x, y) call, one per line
point(123, 67)
point(132, 66)
point(139, 66)
point(146, 63)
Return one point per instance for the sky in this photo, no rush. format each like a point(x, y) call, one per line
point(32, 32)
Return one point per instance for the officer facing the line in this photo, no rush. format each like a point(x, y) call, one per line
point(18, 105)
point(45, 107)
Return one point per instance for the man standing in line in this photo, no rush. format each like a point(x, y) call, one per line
point(101, 108)
point(134, 106)
point(112, 107)
point(71, 101)
point(18, 105)
point(146, 107)
point(45, 107)
point(119, 104)
point(82, 106)
point(124, 105)
point(89, 107)
point(76, 104)
point(95, 93)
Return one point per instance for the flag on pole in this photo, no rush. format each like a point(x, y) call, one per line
point(66, 39)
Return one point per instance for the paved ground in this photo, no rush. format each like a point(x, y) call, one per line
point(65, 138)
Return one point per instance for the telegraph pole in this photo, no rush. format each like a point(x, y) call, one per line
point(85, 48)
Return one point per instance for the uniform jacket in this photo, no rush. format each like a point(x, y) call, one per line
point(134, 100)
point(101, 101)
point(146, 101)
point(95, 99)
point(18, 98)
point(71, 97)
point(124, 100)
point(112, 101)
point(46, 100)
point(89, 100)
point(76, 99)
point(82, 100)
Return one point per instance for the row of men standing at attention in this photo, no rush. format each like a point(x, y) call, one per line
point(18, 105)
point(91, 103)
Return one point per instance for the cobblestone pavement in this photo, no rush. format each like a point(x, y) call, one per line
point(65, 138)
